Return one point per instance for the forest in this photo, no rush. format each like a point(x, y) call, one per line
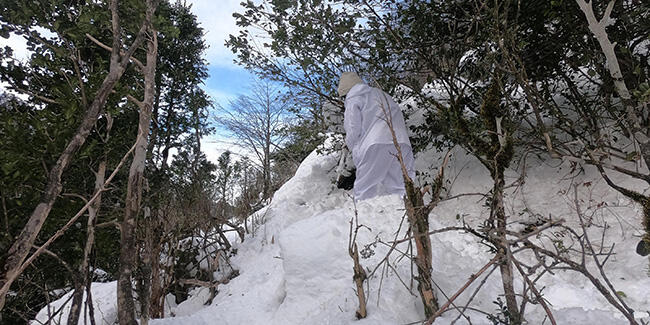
point(104, 178)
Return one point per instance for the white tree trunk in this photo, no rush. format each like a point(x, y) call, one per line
point(598, 29)
point(125, 302)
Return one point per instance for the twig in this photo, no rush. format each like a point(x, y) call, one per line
point(600, 265)
point(35, 95)
point(137, 102)
point(359, 273)
point(522, 237)
point(462, 195)
point(197, 282)
point(478, 288)
point(108, 48)
point(446, 229)
point(461, 290)
point(76, 216)
point(393, 247)
point(535, 291)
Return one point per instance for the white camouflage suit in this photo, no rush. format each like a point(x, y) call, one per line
point(369, 138)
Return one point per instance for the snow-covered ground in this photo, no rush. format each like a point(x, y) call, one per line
point(296, 269)
point(104, 306)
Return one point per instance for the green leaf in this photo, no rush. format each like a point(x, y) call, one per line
point(631, 156)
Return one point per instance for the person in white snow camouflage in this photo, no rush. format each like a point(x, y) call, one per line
point(367, 135)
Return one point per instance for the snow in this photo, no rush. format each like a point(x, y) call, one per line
point(104, 303)
point(296, 269)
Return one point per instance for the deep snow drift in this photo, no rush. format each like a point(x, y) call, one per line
point(295, 268)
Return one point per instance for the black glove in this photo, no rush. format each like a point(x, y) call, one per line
point(643, 248)
point(346, 182)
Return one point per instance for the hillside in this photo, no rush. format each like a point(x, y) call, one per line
point(295, 268)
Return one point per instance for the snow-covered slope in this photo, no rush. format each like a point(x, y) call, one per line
point(295, 269)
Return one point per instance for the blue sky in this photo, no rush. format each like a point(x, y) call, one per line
point(226, 80)
point(215, 17)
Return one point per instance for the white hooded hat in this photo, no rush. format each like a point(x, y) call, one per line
point(347, 81)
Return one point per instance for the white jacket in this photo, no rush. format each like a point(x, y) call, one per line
point(365, 120)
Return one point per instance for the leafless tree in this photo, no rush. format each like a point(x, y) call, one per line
point(256, 120)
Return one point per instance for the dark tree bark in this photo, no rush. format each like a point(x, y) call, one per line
point(498, 153)
point(156, 309)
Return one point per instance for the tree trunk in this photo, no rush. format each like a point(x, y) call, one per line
point(598, 29)
point(144, 290)
point(505, 267)
point(77, 299)
point(125, 303)
point(5, 219)
point(359, 277)
point(89, 302)
point(23, 243)
point(266, 172)
point(499, 154)
point(418, 217)
point(157, 293)
point(224, 239)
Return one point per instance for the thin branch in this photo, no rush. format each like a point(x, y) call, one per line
point(122, 52)
point(436, 231)
point(535, 291)
point(60, 260)
point(200, 283)
point(60, 232)
point(590, 246)
point(112, 223)
point(461, 290)
point(37, 96)
point(522, 237)
point(476, 291)
point(137, 102)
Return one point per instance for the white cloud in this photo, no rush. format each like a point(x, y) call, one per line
point(19, 45)
point(214, 16)
point(217, 21)
point(219, 97)
point(214, 145)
